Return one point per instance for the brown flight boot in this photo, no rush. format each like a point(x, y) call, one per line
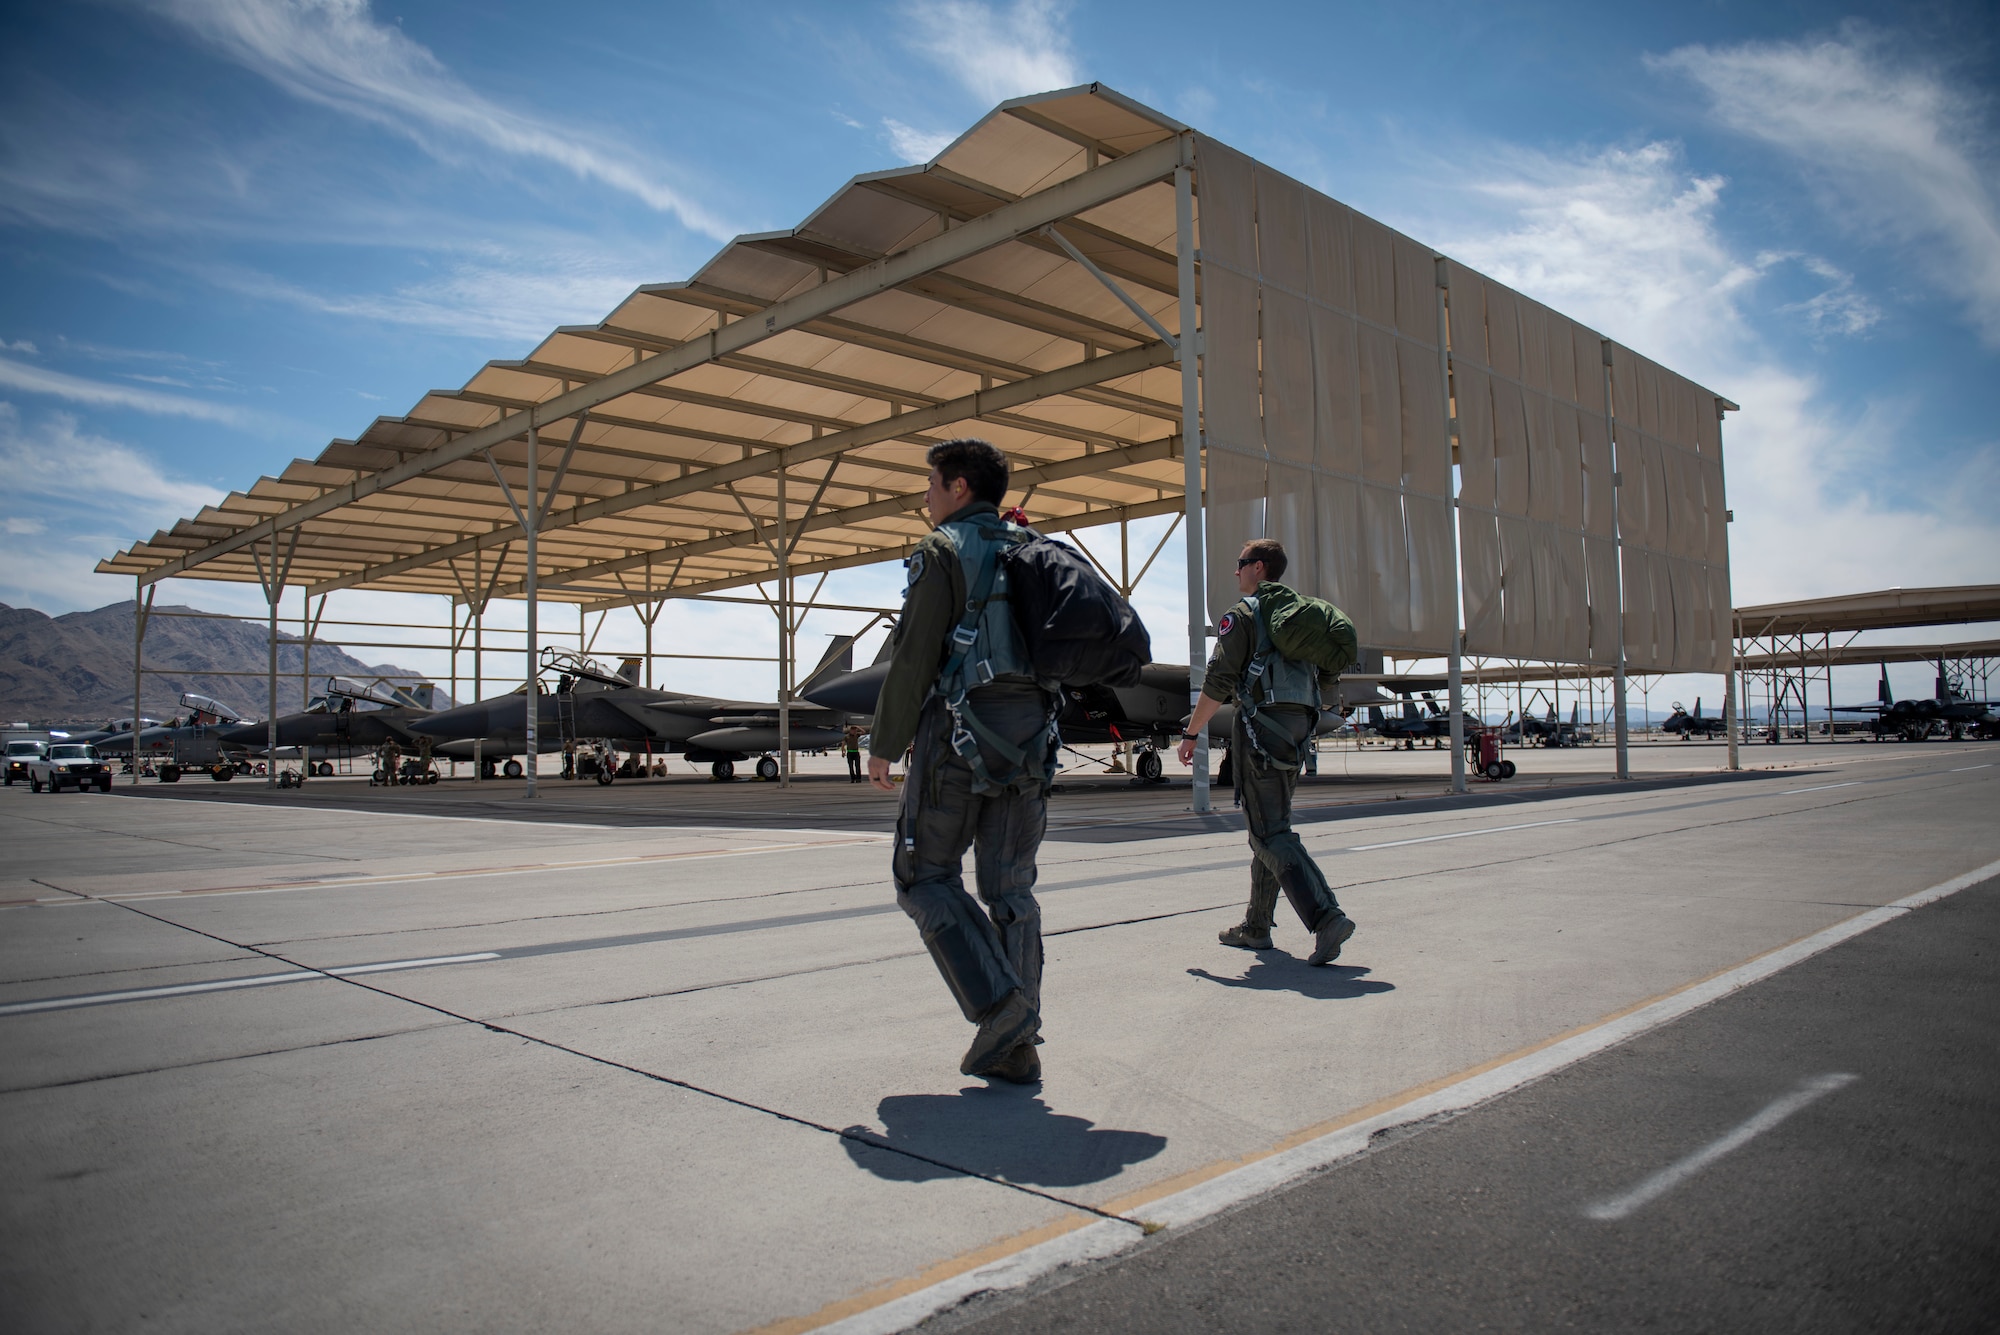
point(1245, 937)
point(1328, 940)
point(1011, 1023)
point(1022, 1066)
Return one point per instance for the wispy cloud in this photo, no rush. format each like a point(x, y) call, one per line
point(20, 345)
point(914, 145)
point(996, 51)
point(1897, 148)
point(498, 296)
point(54, 459)
point(334, 53)
point(1628, 241)
point(81, 496)
point(103, 394)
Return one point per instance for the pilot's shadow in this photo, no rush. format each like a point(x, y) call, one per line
point(1272, 972)
point(1005, 1133)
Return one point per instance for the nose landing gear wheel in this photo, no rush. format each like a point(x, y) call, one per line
point(1149, 765)
point(767, 769)
point(722, 771)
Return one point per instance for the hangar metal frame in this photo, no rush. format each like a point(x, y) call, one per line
point(1788, 648)
point(765, 421)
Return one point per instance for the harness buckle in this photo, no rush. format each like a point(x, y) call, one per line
point(964, 636)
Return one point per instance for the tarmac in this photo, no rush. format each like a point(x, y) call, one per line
point(665, 1055)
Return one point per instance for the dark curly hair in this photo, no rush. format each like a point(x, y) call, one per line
point(979, 462)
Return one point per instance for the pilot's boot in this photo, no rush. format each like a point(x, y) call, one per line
point(1254, 932)
point(1022, 1066)
point(1330, 937)
point(1009, 1025)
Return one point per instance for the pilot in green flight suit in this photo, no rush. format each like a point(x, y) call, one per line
point(961, 689)
point(1277, 710)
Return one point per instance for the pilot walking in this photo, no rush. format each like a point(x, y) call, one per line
point(961, 693)
point(1277, 711)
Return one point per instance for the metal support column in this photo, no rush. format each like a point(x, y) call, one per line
point(142, 608)
point(534, 684)
point(1730, 712)
point(785, 647)
point(1189, 349)
point(1621, 723)
point(1455, 665)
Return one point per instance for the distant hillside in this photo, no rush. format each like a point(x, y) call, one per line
point(77, 668)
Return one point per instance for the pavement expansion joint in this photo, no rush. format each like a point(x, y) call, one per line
point(859, 1135)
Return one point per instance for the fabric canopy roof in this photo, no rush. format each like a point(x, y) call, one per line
point(791, 386)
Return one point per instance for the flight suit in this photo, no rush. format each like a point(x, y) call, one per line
point(1267, 771)
point(982, 956)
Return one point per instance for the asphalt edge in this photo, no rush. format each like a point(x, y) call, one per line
point(1281, 1168)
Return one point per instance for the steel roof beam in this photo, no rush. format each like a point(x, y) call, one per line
point(970, 407)
point(1082, 466)
point(1105, 183)
point(1142, 510)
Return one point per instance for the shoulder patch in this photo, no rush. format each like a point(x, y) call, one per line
point(1227, 624)
point(916, 564)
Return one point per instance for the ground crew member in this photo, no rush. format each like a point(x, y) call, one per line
point(961, 694)
point(1277, 711)
point(852, 740)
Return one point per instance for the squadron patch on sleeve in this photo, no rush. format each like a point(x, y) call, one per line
point(916, 566)
point(1227, 624)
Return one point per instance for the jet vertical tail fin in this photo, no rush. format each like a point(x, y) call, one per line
point(837, 661)
point(1883, 694)
point(628, 669)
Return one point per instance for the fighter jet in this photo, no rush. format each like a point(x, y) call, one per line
point(1914, 720)
point(590, 703)
point(351, 718)
point(1693, 725)
point(111, 729)
point(1412, 725)
point(195, 743)
point(1148, 716)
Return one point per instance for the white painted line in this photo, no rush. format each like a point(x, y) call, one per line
point(1109, 1237)
point(1462, 834)
point(1967, 769)
point(1659, 1184)
point(231, 984)
point(1820, 788)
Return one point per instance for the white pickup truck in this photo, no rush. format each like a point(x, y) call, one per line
point(69, 763)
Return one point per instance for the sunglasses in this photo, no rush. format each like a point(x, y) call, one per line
point(1242, 561)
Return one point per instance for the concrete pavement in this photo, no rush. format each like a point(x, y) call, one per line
point(704, 1078)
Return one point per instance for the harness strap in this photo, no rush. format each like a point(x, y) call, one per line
point(970, 738)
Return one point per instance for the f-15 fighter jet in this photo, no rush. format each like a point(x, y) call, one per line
point(589, 703)
point(352, 718)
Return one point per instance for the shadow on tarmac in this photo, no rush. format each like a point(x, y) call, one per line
point(1274, 971)
point(1008, 1133)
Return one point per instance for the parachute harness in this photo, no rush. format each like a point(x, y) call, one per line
point(970, 738)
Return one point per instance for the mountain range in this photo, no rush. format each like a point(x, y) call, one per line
point(77, 668)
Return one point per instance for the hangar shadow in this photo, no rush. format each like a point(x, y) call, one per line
point(1271, 972)
point(1005, 1132)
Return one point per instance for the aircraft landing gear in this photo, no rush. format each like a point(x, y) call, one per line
point(722, 771)
point(1148, 765)
point(767, 769)
point(512, 769)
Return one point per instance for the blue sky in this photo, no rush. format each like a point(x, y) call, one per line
point(235, 229)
